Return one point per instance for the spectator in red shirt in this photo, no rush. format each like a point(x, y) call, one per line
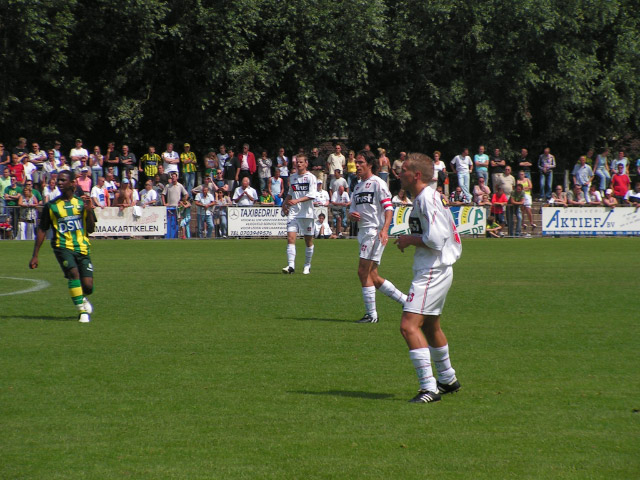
point(498, 202)
point(620, 183)
point(16, 167)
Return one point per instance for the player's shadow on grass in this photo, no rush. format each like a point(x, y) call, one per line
point(54, 318)
point(316, 319)
point(348, 393)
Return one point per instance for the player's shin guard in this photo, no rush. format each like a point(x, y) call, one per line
point(440, 356)
point(75, 290)
point(308, 254)
point(392, 292)
point(369, 297)
point(421, 359)
point(291, 255)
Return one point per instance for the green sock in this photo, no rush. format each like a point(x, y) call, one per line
point(75, 290)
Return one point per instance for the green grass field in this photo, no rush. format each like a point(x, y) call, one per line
point(203, 361)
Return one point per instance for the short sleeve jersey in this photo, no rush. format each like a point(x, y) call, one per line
point(68, 220)
point(371, 198)
point(303, 185)
point(434, 223)
point(150, 162)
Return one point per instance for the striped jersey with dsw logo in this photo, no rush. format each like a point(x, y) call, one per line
point(67, 218)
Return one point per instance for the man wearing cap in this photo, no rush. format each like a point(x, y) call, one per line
point(189, 167)
point(84, 181)
point(322, 197)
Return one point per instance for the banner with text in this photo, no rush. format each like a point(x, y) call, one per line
point(132, 221)
point(256, 222)
point(468, 220)
point(590, 221)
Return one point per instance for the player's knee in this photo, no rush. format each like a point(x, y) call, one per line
point(87, 288)
point(363, 274)
point(407, 329)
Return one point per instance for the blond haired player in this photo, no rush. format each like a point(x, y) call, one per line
point(298, 206)
point(438, 246)
point(371, 207)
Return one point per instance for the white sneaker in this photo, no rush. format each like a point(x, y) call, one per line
point(84, 317)
point(306, 270)
point(87, 306)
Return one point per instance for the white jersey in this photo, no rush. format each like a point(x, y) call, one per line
point(434, 222)
point(371, 198)
point(302, 185)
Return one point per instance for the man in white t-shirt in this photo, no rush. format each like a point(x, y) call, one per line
point(339, 202)
point(204, 201)
point(336, 161)
point(79, 154)
point(438, 246)
point(148, 196)
point(298, 206)
point(463, 166)
point(100, 194)
point(338, 180)
point(171, 160)
point(322, 196)
point(371, 207)
point(245, 196)
point(111, 186)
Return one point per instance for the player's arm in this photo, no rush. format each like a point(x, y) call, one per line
point(384, 233)
point(89, 215)
point(41, 233)
point(353, 215)
point(404, 241)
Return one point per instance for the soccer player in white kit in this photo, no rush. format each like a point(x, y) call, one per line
point(438, 247)
point(371, 207)
point(298, 206)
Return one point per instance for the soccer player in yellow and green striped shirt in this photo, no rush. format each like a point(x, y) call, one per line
point(72, 220)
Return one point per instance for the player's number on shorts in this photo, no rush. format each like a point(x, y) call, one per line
point(363, 248)
point(410, 297)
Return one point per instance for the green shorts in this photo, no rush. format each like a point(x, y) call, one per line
point(68, 260)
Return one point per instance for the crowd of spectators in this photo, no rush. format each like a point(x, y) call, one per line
point(224, 177)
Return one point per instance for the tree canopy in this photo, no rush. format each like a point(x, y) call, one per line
point(420, 75)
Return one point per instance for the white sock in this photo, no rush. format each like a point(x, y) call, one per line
point(392, 292)
point(308, 254)
point(421, 359)
point(369, 297)
point(291, 255)
point(440, 356)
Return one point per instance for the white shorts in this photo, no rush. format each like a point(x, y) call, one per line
point(527, 200)
point(370, 246)
point(302, 226)
point(429, 290)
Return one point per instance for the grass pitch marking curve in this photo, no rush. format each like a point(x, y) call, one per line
point(37, 285)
